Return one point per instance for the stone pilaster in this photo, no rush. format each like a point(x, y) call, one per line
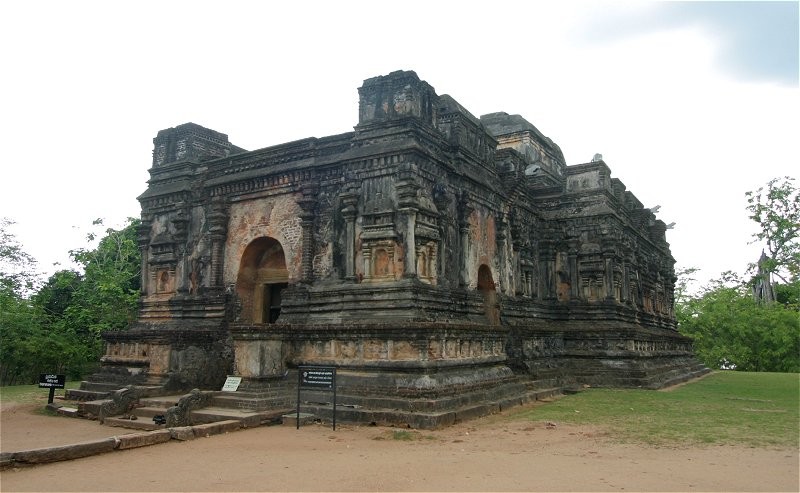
point(143, 240)
point(407, 202)
point(501, 226)
point(308, 205)
point(607, 244)
point(180, 225)
point(465, 210)
point(547, 262)
point(572, 265)
point(349, 213)
point(218, 220)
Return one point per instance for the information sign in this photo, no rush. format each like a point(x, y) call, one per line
point(317, 377)
point(51, 381)
point(320, 378)
point(231, 384)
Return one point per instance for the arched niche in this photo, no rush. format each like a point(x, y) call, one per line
point(261, 278)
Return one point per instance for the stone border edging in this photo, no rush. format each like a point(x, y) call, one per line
point(120, 442)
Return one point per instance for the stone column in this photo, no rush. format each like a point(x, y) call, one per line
point(181, 227)
point(502, 256)
point(465, 210)
point(308, 204)
point(408, 207)
point(608, 248)
point(218, 220)
point(409, 242)
point(349, 213)
point(626, 276)
point(572, 265)
point(143, 240)
point(547, 260)
point(608, 277)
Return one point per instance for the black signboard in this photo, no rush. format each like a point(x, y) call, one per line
point(51, 381)
point(317, 377)
point(320, 378)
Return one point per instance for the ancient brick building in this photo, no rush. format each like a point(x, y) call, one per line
point(445, 264)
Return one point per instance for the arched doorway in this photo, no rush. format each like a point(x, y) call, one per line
point(262, 276)
point(487, 288)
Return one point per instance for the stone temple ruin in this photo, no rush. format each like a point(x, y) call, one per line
point(447, 265)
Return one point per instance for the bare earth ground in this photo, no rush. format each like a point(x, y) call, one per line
point(489, 454)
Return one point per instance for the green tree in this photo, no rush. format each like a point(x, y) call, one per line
point(54, 299)
point(731, 330)
point(776, 209)
point(20, 332)
point(105, 297)
point(57, 328)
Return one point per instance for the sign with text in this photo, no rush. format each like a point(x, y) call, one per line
point(52, 381)
point(231, 384)
point(317, 377)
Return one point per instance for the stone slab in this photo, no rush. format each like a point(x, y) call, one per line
point(71, 412)
point(217, 428)
point(248, 419)
point(290, 419)
point(65, 452)
point(145, 424)
point(135, 440)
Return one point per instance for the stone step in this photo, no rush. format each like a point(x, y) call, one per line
point(100, 386)
point(148, 412)
point(71, 412)
point(85, 395)
point(133, 424)
point(165, 401)
point(91, 409)
point(251, 403)
point(542, 394)
point(247, 418)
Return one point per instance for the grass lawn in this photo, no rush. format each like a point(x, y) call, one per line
point(757, 409)
point(31, 394)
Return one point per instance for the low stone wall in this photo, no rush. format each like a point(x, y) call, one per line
point(111, 444)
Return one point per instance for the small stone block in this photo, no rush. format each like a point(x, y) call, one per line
point(216, 428)
point(134, 440)
point(72, 412)
point(291, 419)
point(6, 460)
point(182, 433)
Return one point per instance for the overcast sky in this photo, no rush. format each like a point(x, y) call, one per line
point(691, 104)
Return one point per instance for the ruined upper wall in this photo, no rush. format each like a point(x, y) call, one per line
point(515, 132)
point(190, 142)
point(400, 94)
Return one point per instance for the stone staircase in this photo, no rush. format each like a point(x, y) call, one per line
point(141, 417)
point(94, 391)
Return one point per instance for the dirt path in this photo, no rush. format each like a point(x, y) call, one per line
point(490, 454)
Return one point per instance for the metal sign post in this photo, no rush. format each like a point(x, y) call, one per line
point(316, 378)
